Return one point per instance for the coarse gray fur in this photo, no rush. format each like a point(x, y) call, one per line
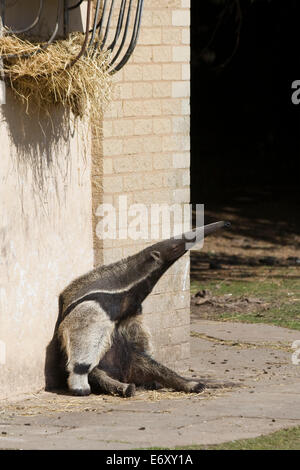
point(100, 343)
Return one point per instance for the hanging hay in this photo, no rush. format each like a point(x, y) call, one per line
point(44, 78)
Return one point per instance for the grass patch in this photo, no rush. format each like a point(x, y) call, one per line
point(287, 439)
point(282, 296)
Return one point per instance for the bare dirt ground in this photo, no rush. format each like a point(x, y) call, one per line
point(250, 273)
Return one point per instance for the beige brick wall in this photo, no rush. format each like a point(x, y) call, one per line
point(146, 155)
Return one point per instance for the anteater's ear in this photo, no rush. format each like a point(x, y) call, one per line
point(156, 255)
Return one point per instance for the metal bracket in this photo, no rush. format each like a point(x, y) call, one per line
point(96, 37)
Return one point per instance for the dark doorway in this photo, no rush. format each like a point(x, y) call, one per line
point(245, 131)
point(245, 167)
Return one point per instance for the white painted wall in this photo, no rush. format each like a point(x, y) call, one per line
point(45, 233)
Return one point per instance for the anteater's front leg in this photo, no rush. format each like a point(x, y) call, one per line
point(100, 382)
point(85, 335)
point(145, 369)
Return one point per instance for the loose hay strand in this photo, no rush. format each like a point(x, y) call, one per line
point(44, 77)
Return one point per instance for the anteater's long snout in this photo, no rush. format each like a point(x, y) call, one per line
point(179, 245)
point(197, 235)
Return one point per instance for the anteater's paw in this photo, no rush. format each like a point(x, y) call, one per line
point(129, 391)
point(153, 386)
point(81, 392)
point(198, 388)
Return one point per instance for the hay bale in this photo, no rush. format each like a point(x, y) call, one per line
point(45, 78)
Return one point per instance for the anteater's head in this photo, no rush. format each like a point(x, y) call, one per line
point(159, 257)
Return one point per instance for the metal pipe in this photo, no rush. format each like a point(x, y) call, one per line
point(84, 46)
point(45, 46)
point(119, 25)
point(99, 26)
point(33, 24)
point(134, 38)
point(76, 5)
point(2, 12)
point(107, 24)
point(66, 17)
point(124, 34)
point(93, 31)
point(103, 27)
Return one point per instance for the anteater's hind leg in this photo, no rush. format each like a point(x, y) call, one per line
point(85, 335)
point(146, 370)
point(102, 383)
